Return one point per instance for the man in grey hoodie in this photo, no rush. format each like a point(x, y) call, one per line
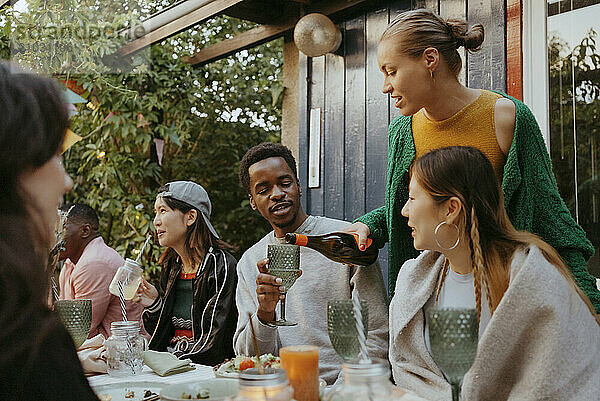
point(268, 173)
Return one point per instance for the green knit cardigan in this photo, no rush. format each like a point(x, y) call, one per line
point(531, 199)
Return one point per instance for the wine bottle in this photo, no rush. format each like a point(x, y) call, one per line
point(339, 247)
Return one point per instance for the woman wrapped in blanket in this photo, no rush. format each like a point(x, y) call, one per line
point(539, 336)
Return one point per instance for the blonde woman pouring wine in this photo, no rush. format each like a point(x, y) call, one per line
point(417, 55)
point(194, 313)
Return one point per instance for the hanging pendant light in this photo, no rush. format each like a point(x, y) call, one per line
point(315, 35)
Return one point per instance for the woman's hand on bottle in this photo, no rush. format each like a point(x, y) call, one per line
point(362, 230)
point(268, 291)
point(146, 294)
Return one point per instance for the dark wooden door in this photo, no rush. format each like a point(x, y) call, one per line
point(346, 86)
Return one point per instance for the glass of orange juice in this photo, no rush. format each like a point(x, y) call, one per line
point(301, 362)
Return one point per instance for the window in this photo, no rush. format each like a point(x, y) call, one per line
point(573, 60)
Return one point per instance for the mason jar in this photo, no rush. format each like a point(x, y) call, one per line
point(365, 381)
point(130, 277)
point(271, 385)
point(125, 349)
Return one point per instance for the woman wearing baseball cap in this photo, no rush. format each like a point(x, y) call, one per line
point(193, 313)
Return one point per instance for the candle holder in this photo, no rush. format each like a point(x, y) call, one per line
point(271, 385)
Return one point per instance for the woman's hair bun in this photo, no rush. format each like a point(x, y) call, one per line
point(471, 38)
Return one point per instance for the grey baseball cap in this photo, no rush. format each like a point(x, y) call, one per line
point(194, 195)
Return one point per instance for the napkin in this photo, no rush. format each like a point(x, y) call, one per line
point(165, 363)
point(92, 355)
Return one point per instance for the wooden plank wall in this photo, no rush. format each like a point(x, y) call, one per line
point(355, 114)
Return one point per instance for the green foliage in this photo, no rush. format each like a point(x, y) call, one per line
point(66, 36)
point(207, 116)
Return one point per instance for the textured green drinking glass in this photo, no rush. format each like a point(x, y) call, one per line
point(341, 326)
point(284, 262)
point(453, 336)
point(76, 315)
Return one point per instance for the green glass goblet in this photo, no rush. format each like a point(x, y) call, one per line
point(76, 315)
point(341, 326)
point(453, 336)
point(284, 262)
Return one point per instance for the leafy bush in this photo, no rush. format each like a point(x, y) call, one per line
point(207, 116)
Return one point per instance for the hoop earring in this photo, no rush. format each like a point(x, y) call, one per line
point(435, 236)
point(432, 77)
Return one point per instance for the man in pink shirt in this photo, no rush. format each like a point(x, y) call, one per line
point(89, 268)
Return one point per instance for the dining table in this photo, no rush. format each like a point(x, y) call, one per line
point(148, 380)
point(133, 387)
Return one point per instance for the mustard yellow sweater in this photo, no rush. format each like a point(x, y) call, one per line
point(471, 126)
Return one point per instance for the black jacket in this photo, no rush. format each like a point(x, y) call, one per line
point(214, 312)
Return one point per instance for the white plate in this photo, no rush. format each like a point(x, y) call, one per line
point(227, 369)
point(221, 370)
point(117, 390)
point(219, 389)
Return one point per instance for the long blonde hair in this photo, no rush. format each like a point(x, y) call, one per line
point(416, 30)
point(466, 173)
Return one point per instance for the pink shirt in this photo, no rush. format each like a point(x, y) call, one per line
point(90, 279)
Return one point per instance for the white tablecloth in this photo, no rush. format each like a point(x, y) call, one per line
point(147, 375)
point(200, 373)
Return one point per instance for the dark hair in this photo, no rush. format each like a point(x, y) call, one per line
point(466, 173)
point(264, 151)
point(198, 237)
point(82, 213)
point(416, 30)
point(33, 121)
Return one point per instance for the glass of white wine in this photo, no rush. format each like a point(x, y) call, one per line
point(284, 262)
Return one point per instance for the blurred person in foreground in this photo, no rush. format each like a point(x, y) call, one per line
point(38, 360)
